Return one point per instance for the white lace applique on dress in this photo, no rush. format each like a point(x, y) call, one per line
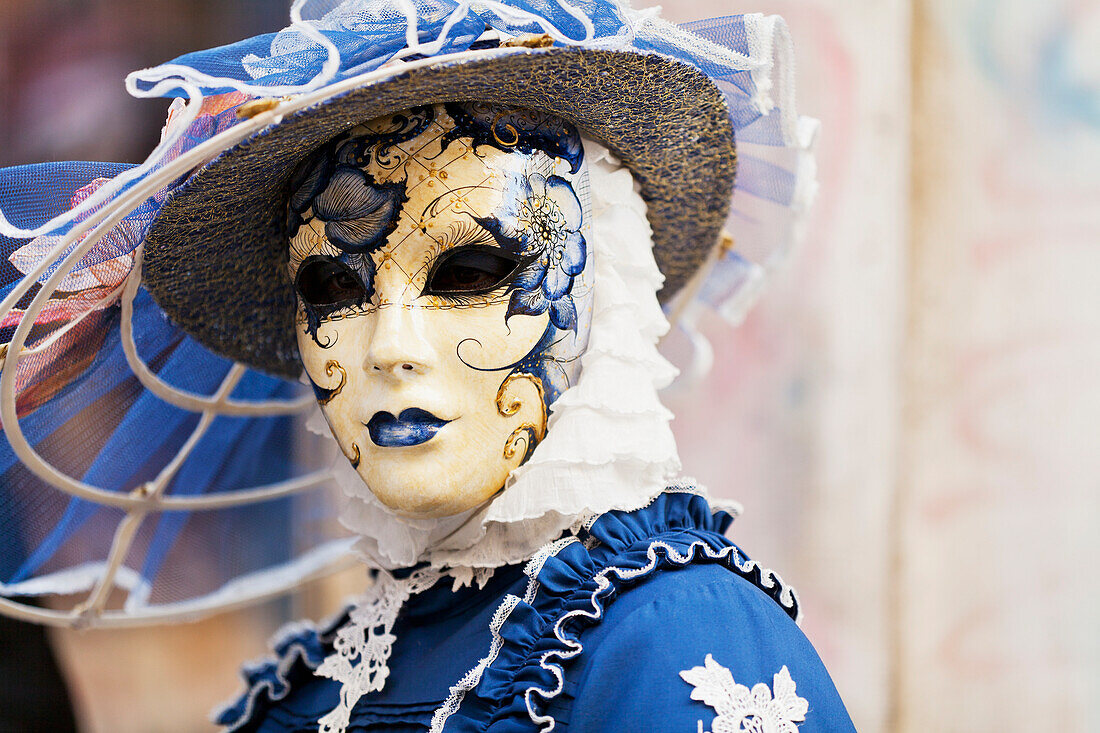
point(758, 710)
point(363, 645)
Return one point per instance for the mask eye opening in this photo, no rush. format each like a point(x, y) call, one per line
point(325, 283)
point(497, 266)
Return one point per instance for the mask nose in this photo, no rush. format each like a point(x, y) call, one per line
point(398, 347)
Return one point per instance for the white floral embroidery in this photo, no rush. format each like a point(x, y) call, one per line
point(363, 644)
point(741, 710)
point(571, 647)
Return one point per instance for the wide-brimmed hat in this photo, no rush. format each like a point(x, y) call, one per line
point(215, 257)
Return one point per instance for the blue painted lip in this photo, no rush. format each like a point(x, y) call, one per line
point(412, 427)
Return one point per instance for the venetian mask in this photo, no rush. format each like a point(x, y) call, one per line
point(444, 294)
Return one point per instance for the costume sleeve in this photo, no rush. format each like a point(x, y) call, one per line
point(695, 645)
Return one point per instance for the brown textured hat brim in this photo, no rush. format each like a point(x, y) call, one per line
point(215, 257)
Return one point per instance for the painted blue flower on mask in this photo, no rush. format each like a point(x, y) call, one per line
point(543, 221)
point(358, 213)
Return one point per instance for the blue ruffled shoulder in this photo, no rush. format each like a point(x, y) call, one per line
point(611, 620)
point(299, 648)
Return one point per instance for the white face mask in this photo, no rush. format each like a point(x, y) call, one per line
point(444, 291)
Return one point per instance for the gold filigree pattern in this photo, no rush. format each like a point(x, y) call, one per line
point(310, 239)
point(355, 311)
point(354, 457)
point(508, 127)
point(507, 408)
point(523, 434)
point(509, 405)
point(330, 366)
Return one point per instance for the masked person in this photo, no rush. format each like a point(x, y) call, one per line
point(458, 244)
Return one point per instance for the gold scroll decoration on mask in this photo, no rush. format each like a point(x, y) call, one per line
point(334, 366)
point(508, 404)
point(508, 128)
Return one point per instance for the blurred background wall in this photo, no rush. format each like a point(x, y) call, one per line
point(910, 416)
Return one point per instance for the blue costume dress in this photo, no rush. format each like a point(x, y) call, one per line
point(649, 620)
